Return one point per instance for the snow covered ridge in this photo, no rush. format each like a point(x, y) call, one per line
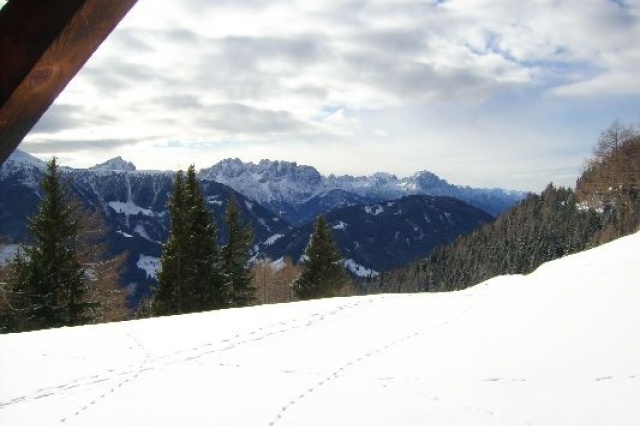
point(557, 347)
point(19, 162)
point(115, 164)
point(23, 159)
point(281, 183)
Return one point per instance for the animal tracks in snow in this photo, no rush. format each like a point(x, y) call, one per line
point(125, 378)
point(340, 371)
point(119, 377)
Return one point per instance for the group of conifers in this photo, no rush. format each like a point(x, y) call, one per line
point(63, 276)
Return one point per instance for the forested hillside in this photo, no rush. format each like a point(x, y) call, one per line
point(604, 206)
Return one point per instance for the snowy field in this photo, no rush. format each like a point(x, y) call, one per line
point(558, 347)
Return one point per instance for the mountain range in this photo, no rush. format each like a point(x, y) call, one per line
point(300, 193)
point(380, 222)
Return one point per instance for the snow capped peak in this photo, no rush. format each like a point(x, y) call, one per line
point(28, 168)
point(426, 179)
point(277, 164)
point(266, 168)
point(230, 167)
point(382, 177)
point(267, 182)
point(115, 164)
point(287, 169)
point(21, 158)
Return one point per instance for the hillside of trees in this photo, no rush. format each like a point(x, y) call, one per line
point(560, 221)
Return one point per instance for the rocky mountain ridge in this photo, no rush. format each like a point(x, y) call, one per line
point(298, 193)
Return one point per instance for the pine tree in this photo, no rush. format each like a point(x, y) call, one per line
point(168, 297)
point(190, 279)
point(206, 287)
point(322, 272)
point(235, 257)
point(50, 277)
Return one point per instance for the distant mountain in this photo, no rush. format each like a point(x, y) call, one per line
point(115, 164)
point(133, 203)
point(387, 235)
point(300, 193)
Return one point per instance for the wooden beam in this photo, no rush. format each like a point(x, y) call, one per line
point(43, 44)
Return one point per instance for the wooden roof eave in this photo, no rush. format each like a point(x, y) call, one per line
point(43, 44)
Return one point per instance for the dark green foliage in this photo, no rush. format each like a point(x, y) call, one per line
point(322, 272)
point(206, 286)
point(190, 279)
point(542, 228)
point(235, 257)
point(168, 297)
point(48, 282)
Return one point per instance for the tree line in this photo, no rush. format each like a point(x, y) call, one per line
point(559, 221)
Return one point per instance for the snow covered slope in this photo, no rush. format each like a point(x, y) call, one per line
point(557, 347)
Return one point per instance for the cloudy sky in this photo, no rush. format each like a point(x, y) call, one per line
point(508, 93)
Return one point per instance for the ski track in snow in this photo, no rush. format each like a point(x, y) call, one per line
point(131, 372)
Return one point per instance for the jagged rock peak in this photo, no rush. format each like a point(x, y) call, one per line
point(383, 177)
point(227, 169)
point(115, 164)
point(428, 179)
point(234, 167)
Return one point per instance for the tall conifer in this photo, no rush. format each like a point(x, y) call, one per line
point(50, 277)
point(190, 279)
point(235, 257)
point(206, 285)
point(168, 297)
point(323, 274)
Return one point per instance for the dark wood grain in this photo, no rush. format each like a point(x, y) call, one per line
point(43, 44)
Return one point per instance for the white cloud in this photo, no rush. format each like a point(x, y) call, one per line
point(249, 77)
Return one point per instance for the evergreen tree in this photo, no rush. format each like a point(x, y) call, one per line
point(50, 278)
point(168, 297)
point(190, 279)
point(205, 288)
point(235, 257)
point(322, 272)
